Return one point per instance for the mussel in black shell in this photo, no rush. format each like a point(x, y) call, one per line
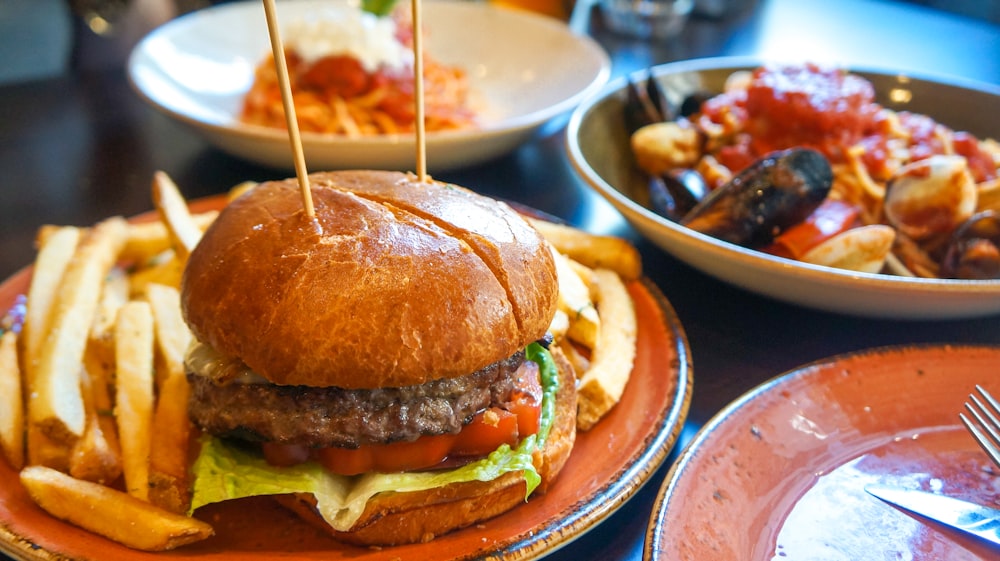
point(974, 249)
point(646, 105)
point(774, 193)
point(675, 192)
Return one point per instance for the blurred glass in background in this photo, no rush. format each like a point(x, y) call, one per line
point(646, 19)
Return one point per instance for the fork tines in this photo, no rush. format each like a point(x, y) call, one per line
point(986, 427)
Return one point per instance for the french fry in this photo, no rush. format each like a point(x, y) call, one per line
point(173, 209)
point(580, 362)
point(56, 402)
point(594, 251)
point(97, 455)
point(601, 386)
point(239, 189)
point(111, 513)
point(146, 240)
point(12, 414)
point(100, 368)
point(559, 325)
point(172, 334)
point(91, 325)
point(54, 255)
point(576, 302)
point(134, 393)
point(114, 294)
point(56, 249)
point(168, 470)
point(169, 462)
point(167, 272)
point(45, 451)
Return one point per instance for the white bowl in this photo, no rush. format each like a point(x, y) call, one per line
point(526, 68)
point(598, 147)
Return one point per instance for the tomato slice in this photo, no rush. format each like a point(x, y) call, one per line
point(284, 455)
point(527, 402)
point(488, 430)
point(425, 452)
point(346, 461)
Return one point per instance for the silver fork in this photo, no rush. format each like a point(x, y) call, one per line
point(985, 427)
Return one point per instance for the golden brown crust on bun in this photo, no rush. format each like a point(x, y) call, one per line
point(396, 283)
point(399, 518)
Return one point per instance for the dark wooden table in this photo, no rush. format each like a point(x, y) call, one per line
point(81, 147)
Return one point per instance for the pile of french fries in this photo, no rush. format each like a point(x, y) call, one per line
point(100, 353)
point(99, 359)
point(595, 323)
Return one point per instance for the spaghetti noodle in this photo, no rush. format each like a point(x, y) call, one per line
point(346, 93)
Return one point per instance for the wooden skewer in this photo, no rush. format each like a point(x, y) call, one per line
point(286, 99)
point(418, 99)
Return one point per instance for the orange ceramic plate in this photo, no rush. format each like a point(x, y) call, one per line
point(780, 474)
point(608, 465)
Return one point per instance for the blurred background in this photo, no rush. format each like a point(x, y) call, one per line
point(45, 38)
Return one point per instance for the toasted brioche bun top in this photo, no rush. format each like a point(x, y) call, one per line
point(396, 282)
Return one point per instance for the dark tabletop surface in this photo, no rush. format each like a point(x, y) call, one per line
point(82, 146)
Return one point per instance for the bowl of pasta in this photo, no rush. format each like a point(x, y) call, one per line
point(858, 191)
point(352, 79)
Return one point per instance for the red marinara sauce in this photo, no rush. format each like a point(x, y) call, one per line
point(829, 110)
point(822, 108)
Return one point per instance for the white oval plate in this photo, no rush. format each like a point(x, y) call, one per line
point(599, 150)
point(525, 69)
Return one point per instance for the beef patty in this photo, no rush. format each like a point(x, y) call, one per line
point(331, 416)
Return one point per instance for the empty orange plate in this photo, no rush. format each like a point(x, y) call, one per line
point(780, 473)
point(608, 465)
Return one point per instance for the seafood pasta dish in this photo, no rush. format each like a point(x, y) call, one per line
point(801, 162)
point(351, 73)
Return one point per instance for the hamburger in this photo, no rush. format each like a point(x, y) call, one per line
point(382, 367)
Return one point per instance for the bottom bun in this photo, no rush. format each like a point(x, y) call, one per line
point(401, 518)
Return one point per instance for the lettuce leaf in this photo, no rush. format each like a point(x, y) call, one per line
point(226, 470)
point(378, 7)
